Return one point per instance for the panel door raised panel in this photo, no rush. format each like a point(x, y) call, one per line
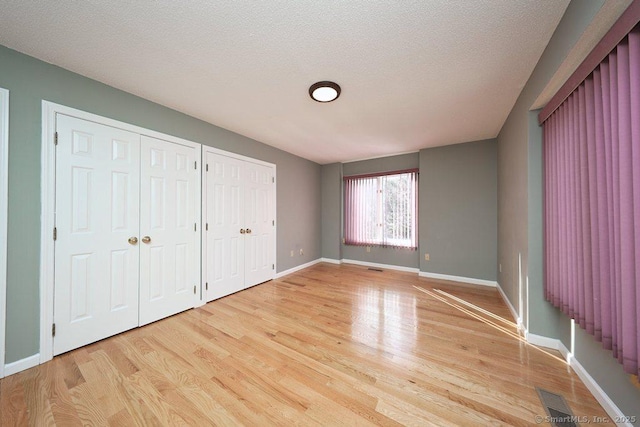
point(169, 259)
point(224, 216)
point(96, 268)
point(259, 217)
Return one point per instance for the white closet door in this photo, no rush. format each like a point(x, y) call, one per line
point(96, 266)
point(259, 217)
point(224, 216)
point(169, 242)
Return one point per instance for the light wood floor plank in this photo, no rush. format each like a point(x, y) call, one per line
point(328, 345)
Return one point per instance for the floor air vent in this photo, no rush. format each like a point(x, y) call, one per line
point(559, 413)
point(375, 269)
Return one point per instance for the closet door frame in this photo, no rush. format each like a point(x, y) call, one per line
point(4, 205)
point(207, 149)
point(48, 187)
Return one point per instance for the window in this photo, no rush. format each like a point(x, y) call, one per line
point(381, 209)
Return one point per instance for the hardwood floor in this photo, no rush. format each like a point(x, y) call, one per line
point(329, 345)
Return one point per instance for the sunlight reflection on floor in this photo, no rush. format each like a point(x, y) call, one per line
point(388, 316)
point(489, 320)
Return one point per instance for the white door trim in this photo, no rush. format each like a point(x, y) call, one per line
point(47, 220)
point(236, 156)
point(4, 205)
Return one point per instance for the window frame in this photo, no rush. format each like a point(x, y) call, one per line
point(349, 224)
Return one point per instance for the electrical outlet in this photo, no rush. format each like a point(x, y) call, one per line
point(368, 248)
point(301, 252)
point(426, 257)
point(291, 253)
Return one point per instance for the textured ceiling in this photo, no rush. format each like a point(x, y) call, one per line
point(414, 73)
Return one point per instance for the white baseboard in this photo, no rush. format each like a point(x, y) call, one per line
point(514, 313)
point(398, 268)
point(542, 341)
point(345, 261)
point(612, 410)
point(566, 354)
point(375, 264)
point(461, 279)
point(21, 365)
point(297, 268)
point(607, 404)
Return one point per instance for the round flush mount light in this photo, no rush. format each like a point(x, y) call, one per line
point(324, 91)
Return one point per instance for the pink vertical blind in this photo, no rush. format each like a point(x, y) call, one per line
point(592, 203)
point(381, 209)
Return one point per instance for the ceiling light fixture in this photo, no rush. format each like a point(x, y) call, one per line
point(324, 91)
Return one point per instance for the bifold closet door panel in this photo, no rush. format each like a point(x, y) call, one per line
point(169, 236)
point(259, 221)
point(224, 243)
point(239, 216)
point(97, 220)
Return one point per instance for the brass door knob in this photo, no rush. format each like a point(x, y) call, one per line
point(146, 239)
point(133, 240)
point(242, 231)
point(248, 231)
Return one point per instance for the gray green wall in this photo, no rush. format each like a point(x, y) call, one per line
point(518, 136)
point(332, 211)
point(520, 224)
point(30, 81)
point(458, 210)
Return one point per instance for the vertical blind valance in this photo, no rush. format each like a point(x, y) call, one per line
point(592, 203)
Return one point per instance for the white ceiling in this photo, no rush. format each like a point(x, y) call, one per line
point(414, 73)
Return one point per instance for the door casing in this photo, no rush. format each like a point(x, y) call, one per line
point(4, 204)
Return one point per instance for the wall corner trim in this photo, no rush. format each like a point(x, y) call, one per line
point(4, 205)
point(461, 279)
point(21, 365)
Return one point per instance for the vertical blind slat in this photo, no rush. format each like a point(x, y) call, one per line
point(592, 203)
point(634, 69)
point(381, 210)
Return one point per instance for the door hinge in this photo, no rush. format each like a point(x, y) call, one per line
point(195, 227)
point(55, 138)
point(273, 222)
point(206, 286)
point(273, 179)
point(207, 168)
point(53, 330)
point(206, 226)
point(273, 266)
point(194, 290)
point(55, 233)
